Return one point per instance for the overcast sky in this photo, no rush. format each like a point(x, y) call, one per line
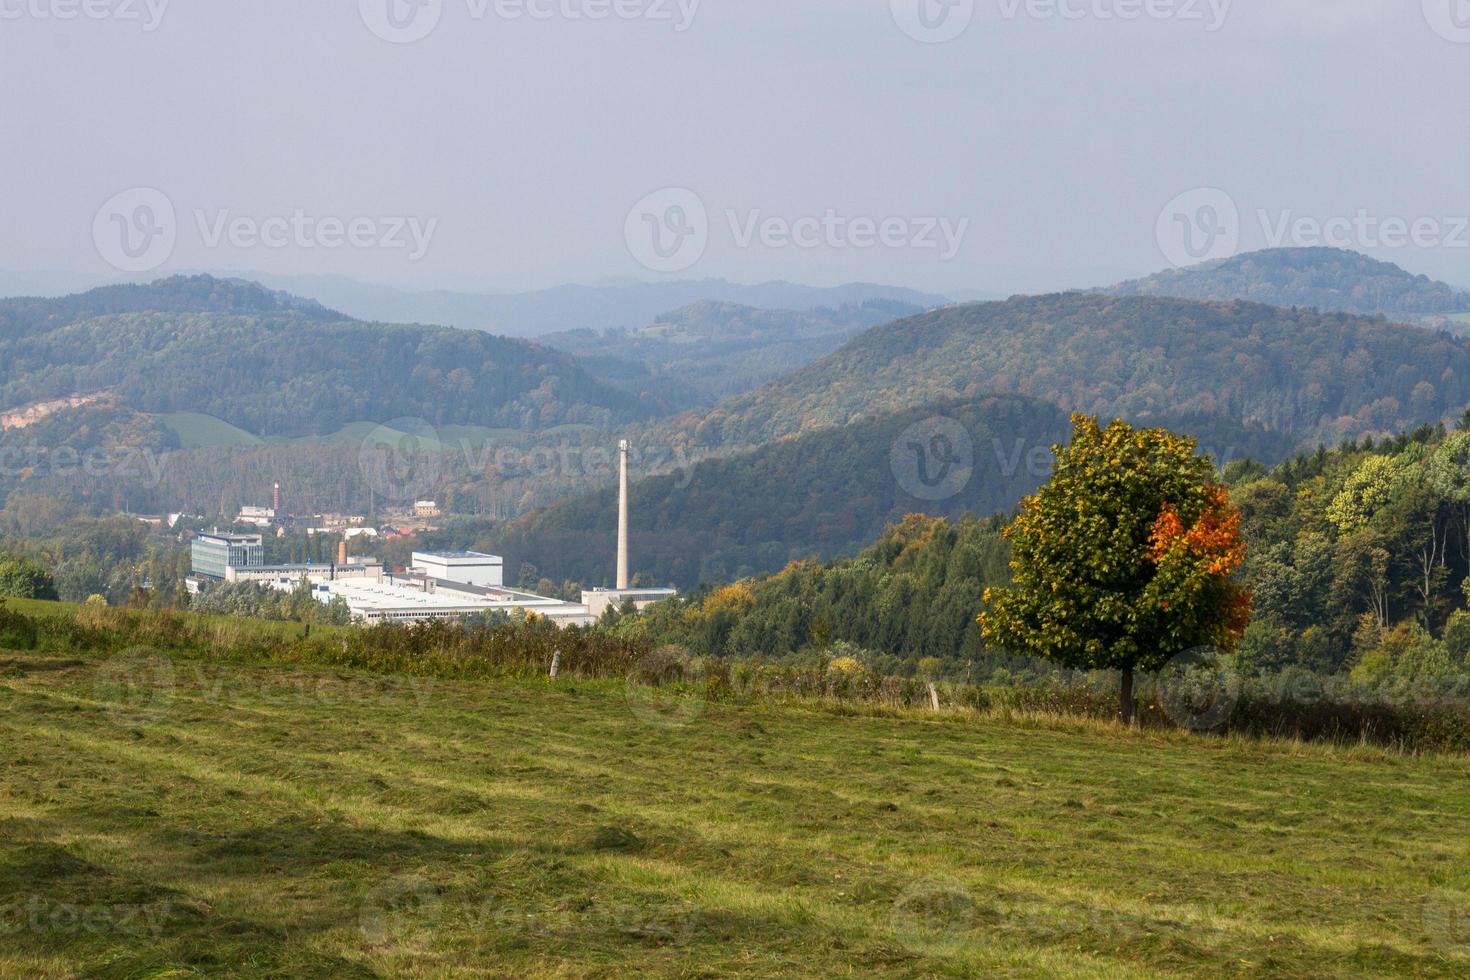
point(818, 141)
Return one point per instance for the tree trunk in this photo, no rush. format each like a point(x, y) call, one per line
point(1127, 710)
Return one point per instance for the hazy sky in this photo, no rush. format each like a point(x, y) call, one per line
point(822, 140)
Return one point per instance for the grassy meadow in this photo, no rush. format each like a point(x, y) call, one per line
point(176, 817)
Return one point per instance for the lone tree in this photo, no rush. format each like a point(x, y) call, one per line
point(1124, 559)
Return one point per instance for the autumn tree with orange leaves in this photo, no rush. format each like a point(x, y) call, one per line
point(1124, 560)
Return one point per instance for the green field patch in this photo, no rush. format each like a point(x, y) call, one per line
point(510, 828)
point(196, 431)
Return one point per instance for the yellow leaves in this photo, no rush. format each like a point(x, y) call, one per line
point(736, 597)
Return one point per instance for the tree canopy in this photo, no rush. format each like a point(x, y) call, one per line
point(22, 578)
point(1124, 560)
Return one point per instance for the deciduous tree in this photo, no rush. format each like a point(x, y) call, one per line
point(1124, 560)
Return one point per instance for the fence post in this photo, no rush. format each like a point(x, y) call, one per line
point(934, 695)
point(555, 663)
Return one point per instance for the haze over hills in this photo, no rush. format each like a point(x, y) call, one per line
point(696, 355)
point(1302, 374)
point(574, 307)
point(1322, 278)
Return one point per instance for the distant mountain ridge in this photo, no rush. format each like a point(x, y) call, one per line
point(576, 307)
point(1323, 278)
point(696, 355)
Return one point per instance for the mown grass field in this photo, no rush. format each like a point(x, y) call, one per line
point(175, 817)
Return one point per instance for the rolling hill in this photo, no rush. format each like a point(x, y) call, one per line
point(1322, 278)
point(696, 355)
point(1302, 375)
point(22, 316)
point(276, 366)
point(197, 393)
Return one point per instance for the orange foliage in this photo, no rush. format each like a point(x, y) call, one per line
point(1215, 538)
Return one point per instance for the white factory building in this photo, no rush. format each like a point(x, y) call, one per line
point(451, 584)
point(412, 598)
point(439, 586)
point(469, 567)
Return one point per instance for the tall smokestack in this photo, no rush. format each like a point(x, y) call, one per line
point(623, 514)
point(342, 551)
point(276, 500)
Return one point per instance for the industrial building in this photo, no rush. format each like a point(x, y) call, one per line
point(470, 567)
point(412, 598)
point(599, 601)
point(215, 554)
point(439, 584)
point(293, 574)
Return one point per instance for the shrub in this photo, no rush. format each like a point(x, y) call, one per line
point(21, 578)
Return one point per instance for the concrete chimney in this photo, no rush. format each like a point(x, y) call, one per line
point(276, 501)
point(623, 514)
point(342, 551)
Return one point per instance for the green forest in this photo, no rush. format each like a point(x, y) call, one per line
point(277, 375)
point(820, 495)
point(1312, 377)
point(1358, 562)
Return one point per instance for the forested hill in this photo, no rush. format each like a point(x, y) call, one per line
point(274, 367)
point(1323, 278)
point(1305, 375)
point(825, 494)
point(696, 355)
point(178, 294)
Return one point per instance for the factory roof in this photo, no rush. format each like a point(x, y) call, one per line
point(448, 597)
